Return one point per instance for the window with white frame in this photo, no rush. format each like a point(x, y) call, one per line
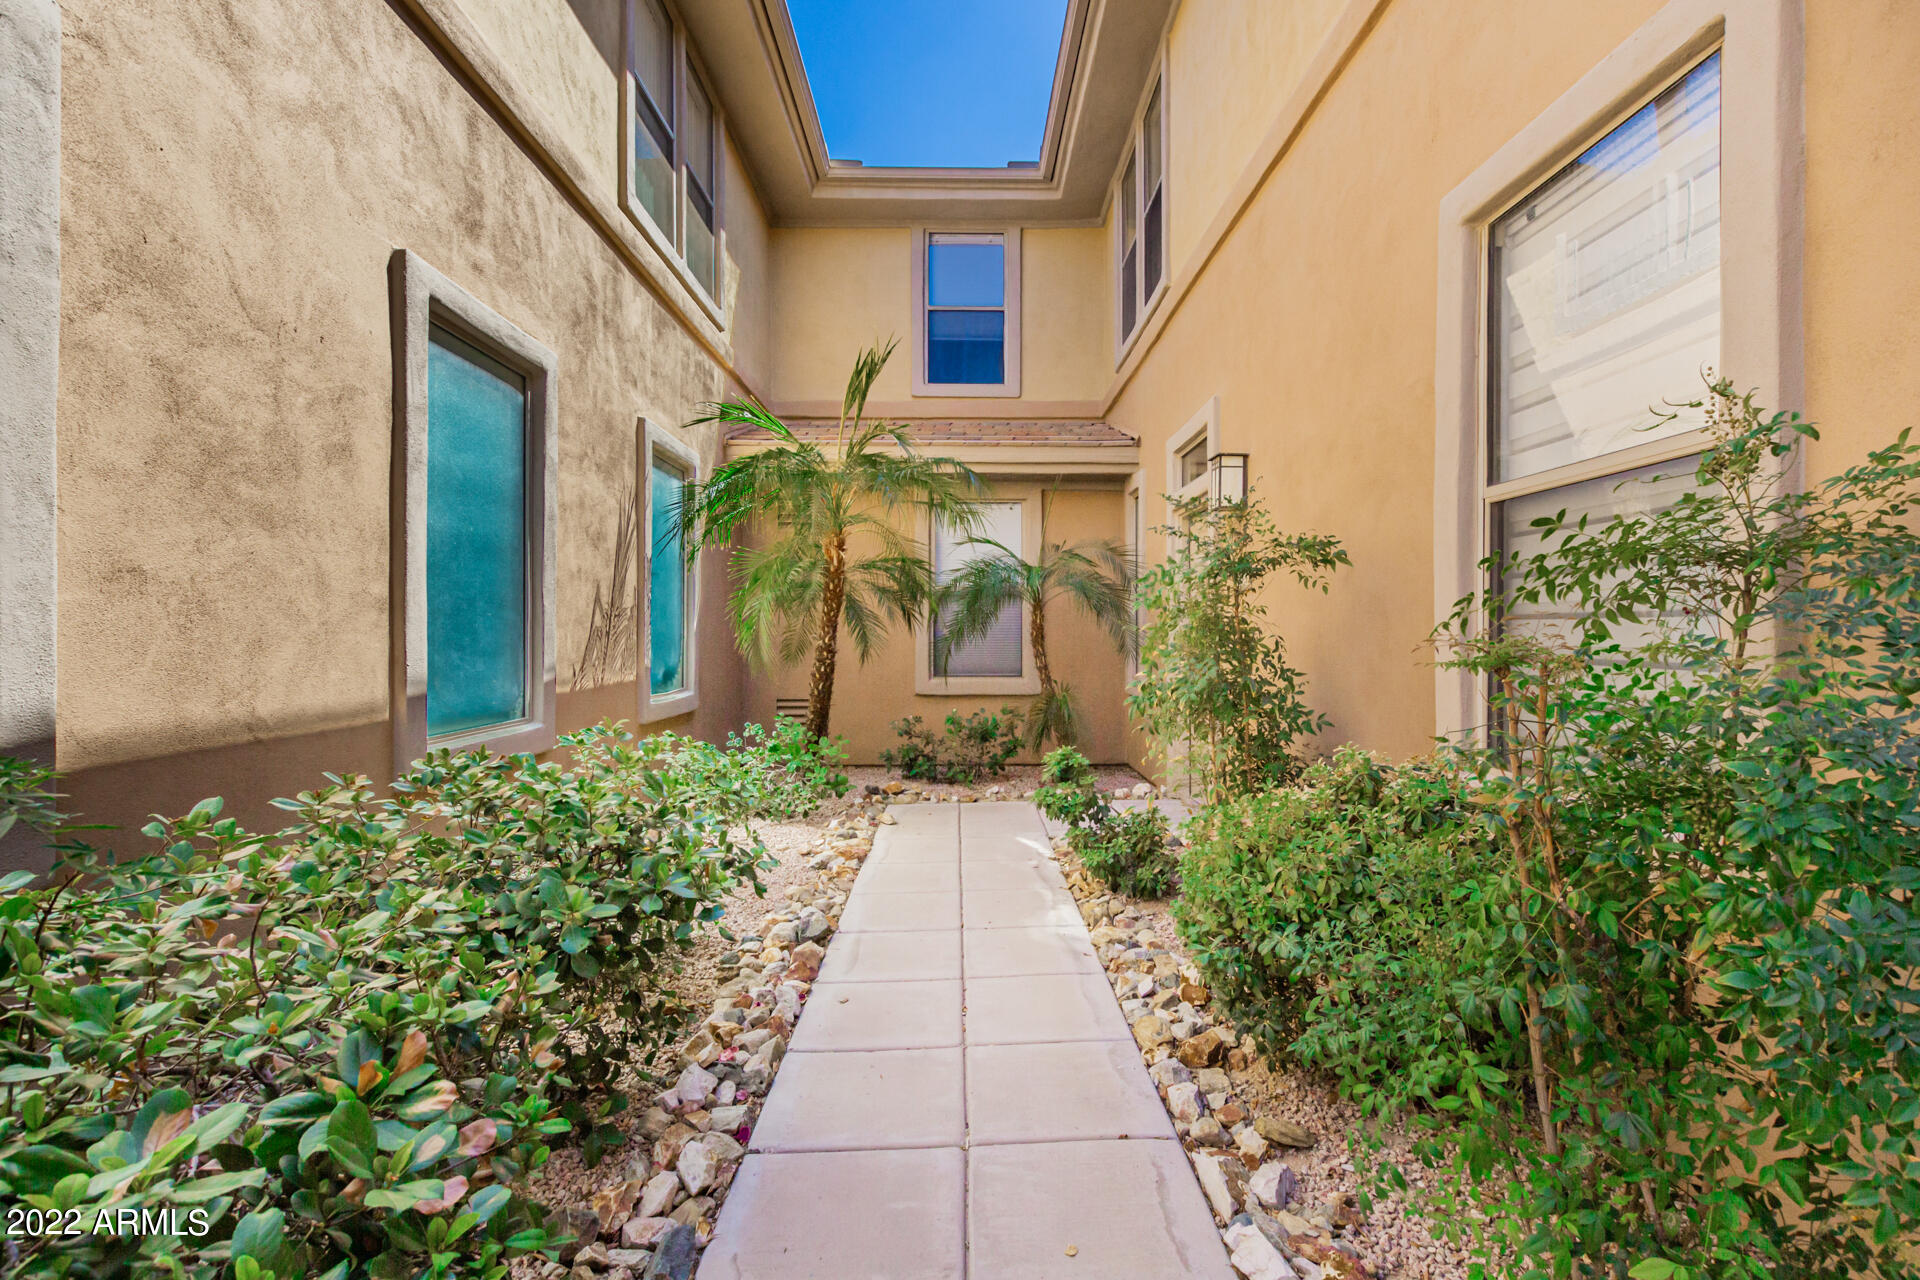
point(966, 312)
point(1190, 450)
point(1604, 301)
point(1140, 241)
point(1000, 651)
point(674, 140)
point(671, 470)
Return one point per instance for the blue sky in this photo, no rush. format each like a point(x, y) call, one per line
point(931, 82)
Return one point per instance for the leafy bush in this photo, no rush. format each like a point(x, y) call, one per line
point(782, 772)
point(1353, 921)
point(343, 1042)
point(1068, 792)
point(1215, 689)
point(1129, 852)
point(1707, 793)
point(970, 748)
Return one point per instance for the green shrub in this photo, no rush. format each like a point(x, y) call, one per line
point(1353, 922)
point(1068, 792)
point(1128, 851)
point(1215, 690)
point(346, 1041)
point(782, 772)
point(970, 748)
point(1707, 794)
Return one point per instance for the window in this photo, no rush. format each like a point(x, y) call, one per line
point(473, 523)
point(967, 313)
point(670, 687)
point(476, 539)
point(1189, 450)
point(1140, 222)
point(674, 149)
point(1604, 300)
point(1580, 285)
point(653, 113)
point(701, 148)
point(1000, 651)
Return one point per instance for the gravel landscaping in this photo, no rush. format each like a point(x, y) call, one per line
point(1268, 1142)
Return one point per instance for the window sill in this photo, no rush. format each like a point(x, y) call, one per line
point(662, 244)
point(519, 738)
point(967, 390)
point(975, 686)
point(1132, 340)
point(667, 706)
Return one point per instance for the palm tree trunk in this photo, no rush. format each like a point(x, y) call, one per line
point(1037, 631)
point(826, 644)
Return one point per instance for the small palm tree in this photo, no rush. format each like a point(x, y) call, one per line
point(838, 555)
point(1095, 575)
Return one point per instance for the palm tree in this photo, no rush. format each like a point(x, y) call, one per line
point(1095, 575)
point(837, 554)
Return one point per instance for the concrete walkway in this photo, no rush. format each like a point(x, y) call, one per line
point(962, 1097)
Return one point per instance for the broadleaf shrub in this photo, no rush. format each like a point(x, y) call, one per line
point(1353, 922)
point(966, 750)
point(782, 772)
point(346, 1041)
point(1707, 794)
point(1130, 851)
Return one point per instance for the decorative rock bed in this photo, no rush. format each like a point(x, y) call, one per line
point(1241, 1158)
point(652, 1225)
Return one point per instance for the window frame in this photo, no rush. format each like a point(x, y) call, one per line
point(1202, 426)
point(925, 682)
point(1761, 185)
point(671, 242)
point(1009, 385)
point(656, 439)
point(421, 299)
point(1145, 303)
point(1133, 510)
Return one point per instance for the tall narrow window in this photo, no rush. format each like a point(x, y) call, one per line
point(477, 558)
point(1129, 282)
point(667, 579)
point(966, 323)
point(702, 161)
point(1605, 303)
point(999, 652)
point(1140, 218)
point(653, 112)
point(1152, 213)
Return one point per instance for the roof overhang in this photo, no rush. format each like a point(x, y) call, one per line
point(1107, 52)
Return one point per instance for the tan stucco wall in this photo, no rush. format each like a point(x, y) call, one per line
point(234, 181)
point(869, 698)
point(1230, 66)
point(838, 289)
point(1314, 322)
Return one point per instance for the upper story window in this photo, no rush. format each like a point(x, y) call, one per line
point(674, 133)
point(1605, 302)
point(967, 313)
point(1140, 222)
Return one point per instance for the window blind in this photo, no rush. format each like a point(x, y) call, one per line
point(998, 652)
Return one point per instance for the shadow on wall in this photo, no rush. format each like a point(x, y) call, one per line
point(247, 776)
point(610, 629)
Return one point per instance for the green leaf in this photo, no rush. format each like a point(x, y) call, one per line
point(261, 1235)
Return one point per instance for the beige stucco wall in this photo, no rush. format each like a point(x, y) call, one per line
point(838, 289)
point(234, 181)
point(1231, 64)
point(1314, 321)
point(869, 697)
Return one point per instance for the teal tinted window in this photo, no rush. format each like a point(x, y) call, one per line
point(666, 581)
point(476, 539)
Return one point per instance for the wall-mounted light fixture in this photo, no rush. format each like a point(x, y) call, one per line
point(1227, 479)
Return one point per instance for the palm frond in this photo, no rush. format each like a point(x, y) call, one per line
point(1052, 715)
point(972, 600)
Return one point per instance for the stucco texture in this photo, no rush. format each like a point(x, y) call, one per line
point(236, 177)
point(1314, 320)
